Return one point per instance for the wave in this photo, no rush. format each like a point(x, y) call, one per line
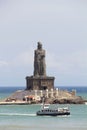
point(30, 115)
point(16, 114)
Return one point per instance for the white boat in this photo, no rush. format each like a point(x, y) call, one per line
point(46, 110)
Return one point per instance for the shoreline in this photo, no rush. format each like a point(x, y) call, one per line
point(27, 103)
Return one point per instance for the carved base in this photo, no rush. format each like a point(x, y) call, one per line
point(39, 83)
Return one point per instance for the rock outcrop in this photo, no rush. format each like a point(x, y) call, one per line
point(52, 97)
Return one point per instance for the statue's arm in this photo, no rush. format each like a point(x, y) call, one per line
point(43, 53)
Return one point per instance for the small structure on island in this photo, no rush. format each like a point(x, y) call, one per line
point(39, 80)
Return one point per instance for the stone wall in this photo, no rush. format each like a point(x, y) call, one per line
point(39, 83)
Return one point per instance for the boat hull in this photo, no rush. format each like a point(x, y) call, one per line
point(52, 113)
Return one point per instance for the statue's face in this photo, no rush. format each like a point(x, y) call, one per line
point(39, 45)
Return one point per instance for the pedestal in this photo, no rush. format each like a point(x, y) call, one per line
point(39, 83)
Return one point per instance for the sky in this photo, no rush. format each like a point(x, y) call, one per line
point(61, 26)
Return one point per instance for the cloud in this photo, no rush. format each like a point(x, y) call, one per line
point(3, 63)
point(68, 63)
point(23, 59)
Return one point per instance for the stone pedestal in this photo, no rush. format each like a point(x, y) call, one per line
point(39, 83)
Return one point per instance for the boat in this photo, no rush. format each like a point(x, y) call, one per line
point(47, 111)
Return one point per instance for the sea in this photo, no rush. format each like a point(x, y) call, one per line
point(23, 117)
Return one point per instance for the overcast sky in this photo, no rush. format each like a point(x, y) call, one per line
point(61, 26)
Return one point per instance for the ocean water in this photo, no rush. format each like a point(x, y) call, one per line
point(23, 117)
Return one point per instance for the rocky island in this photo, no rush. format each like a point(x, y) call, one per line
point(40, 85)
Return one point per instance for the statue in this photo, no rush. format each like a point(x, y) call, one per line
point(39, 80)
point(39, 61)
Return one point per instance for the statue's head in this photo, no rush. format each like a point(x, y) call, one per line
point(39, 45)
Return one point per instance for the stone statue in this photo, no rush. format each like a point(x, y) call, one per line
point(39, 61)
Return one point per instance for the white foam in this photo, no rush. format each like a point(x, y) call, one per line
point(17, 114)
